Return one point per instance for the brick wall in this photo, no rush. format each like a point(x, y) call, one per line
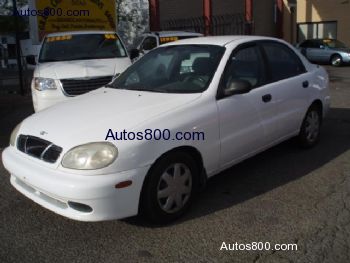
point(178, 9)
point(223, 7)
point(264, 23)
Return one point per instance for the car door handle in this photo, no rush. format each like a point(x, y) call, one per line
point(267, 98)
point(305, 84)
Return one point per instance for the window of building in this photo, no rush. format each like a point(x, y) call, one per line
point(317, 30)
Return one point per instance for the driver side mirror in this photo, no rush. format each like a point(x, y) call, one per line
point(30, 59)
point(237, 86)
point(322, 47)
point(134, 53)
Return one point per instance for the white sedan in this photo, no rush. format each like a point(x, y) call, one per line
point(244, 94)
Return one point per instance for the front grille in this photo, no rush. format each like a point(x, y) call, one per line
point(38, 148)
point(74, 87)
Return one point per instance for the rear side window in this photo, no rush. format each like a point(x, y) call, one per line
point(306, 44)
point(311, 44)
point(149, 43)
point(283, 62)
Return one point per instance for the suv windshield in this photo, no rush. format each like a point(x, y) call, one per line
point(84, 46)
point(173, 69)
point(332, 43)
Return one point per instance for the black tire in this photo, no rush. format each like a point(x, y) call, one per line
point(336, 60)
point(153, 207)
point(310, 130)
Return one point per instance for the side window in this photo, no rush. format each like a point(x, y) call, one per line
point(149, 43)
point(283, 62)
point(306, 44)
point(245, 65)
point(315, 44)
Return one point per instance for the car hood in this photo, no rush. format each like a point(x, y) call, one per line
point(88, 118)
point(82, 68)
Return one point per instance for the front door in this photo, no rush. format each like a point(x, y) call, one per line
point(243, 117)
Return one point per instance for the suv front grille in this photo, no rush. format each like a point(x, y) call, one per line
point(38, 148)
point(74, 87)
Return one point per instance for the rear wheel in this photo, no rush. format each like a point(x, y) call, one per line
point(336, 60)
point(311, 127)
point(169, 187)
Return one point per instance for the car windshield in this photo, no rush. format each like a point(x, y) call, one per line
point(332, 43)
point(79, 47)
point(173, 69)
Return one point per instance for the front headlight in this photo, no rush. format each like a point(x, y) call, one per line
point(44, 84)
point(14, 135)
point(90, 156)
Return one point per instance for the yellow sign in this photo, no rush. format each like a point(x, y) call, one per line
point(164, 40)
point(75, 15)
point(59, 38)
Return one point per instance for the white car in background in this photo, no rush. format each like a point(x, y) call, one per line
point(150, 40)
point(73, 63)
point(245, 93)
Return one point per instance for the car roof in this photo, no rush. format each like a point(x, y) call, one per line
point(319, 39)
point(79, 33)
point(174, 33)
point(218, 40)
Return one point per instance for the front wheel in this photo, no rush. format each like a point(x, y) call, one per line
point(336, 61)
point(169, 187)
point(311, 128)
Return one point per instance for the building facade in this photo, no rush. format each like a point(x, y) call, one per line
point(219, 17)
point(323, 19)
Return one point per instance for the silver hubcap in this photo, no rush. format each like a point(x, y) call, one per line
point(174, 188)
point(312, 126)
point(336, 61)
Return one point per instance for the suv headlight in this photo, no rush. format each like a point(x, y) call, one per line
point(90, 156)
point(44, 84)
point(14, 135)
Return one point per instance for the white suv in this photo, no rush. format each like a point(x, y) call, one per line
point(73, 63)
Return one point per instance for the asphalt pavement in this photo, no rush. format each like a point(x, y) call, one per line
point(285, 195)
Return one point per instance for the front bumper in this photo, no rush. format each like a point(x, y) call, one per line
point(346, 58)
point(57, 190)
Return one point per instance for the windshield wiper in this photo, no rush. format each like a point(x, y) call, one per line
point(109, 85)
